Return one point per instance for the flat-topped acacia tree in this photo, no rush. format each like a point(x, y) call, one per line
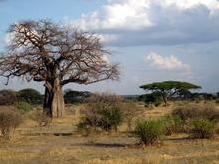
point(168, 89)
point(46, 52)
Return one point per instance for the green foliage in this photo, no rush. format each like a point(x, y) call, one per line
point(72, 97)
point(194, 111)
point(7, 97)
point(203, 128)
point(169, 85)
point(84, 128)
point(169, 88)
point(149, 131)
point(9, 121)
point(41, 118)
point(103, 111)
point(152, 99)
point(23, 106)
point(203, 96)
point(173, 124)
point(30, 95)
point(112, 118)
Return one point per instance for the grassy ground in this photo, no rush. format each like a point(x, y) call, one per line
point(61, 143)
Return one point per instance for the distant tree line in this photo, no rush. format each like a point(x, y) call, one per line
point(161, 92)
point(72, 97)
point(157, 93)
point(34, 97)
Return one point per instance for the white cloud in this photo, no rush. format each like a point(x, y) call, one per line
point(166, 63)
point(106, 38)
point(128, 23)
point(117, 14)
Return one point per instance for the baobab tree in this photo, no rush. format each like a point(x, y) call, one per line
point(44, 51)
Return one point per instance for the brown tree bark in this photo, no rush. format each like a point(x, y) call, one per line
point(54, 105)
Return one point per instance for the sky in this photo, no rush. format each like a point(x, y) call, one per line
point(153, 40)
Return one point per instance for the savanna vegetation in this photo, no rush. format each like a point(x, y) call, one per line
point(107, 128)
point(169, 124)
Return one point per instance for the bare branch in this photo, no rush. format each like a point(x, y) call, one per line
point(45, 51)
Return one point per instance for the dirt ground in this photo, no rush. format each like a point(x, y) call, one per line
point(61, 143)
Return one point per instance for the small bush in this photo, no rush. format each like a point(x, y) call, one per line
point(9, 121)
point(203, 128)
point(41, 118)
point(103, 111)
point(112, 118)
point(173, 124)
point(84, 129)
point(7, 97)
point(149, 132)
point(192, 111)
point(23, 106)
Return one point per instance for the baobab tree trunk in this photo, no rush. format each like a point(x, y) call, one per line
point(54, 105)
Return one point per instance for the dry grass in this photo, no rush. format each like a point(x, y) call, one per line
point(61, 143)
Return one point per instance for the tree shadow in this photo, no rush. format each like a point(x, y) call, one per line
point(179, 139)
point(107, 145)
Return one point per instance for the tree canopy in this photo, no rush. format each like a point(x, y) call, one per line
point(56, 55)
point(169, 88)
point(30, 95)
point(71, 96)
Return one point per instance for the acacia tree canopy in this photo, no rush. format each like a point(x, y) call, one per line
point(46, 52)
point(169, 88)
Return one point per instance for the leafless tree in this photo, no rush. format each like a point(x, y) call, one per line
point(47, 52)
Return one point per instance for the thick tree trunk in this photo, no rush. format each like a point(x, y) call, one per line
point(54, 101)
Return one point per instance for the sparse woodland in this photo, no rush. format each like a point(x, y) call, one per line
point(170, 123)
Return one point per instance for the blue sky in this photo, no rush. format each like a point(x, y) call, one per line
point(153, 40)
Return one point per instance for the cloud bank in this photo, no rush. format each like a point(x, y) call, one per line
point(170, 63)
point(154, 22)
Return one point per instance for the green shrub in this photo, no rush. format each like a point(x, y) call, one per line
point(173, 124)
point(103, 111)
point(192, 111)
point(112, 118)
point(84, 129)
point(41, 118)
point(9, 121)
point(203, 128)
point(7, 97)
point(152, 99)
point(30, 96)
point(23, 106)
point(149, 131)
